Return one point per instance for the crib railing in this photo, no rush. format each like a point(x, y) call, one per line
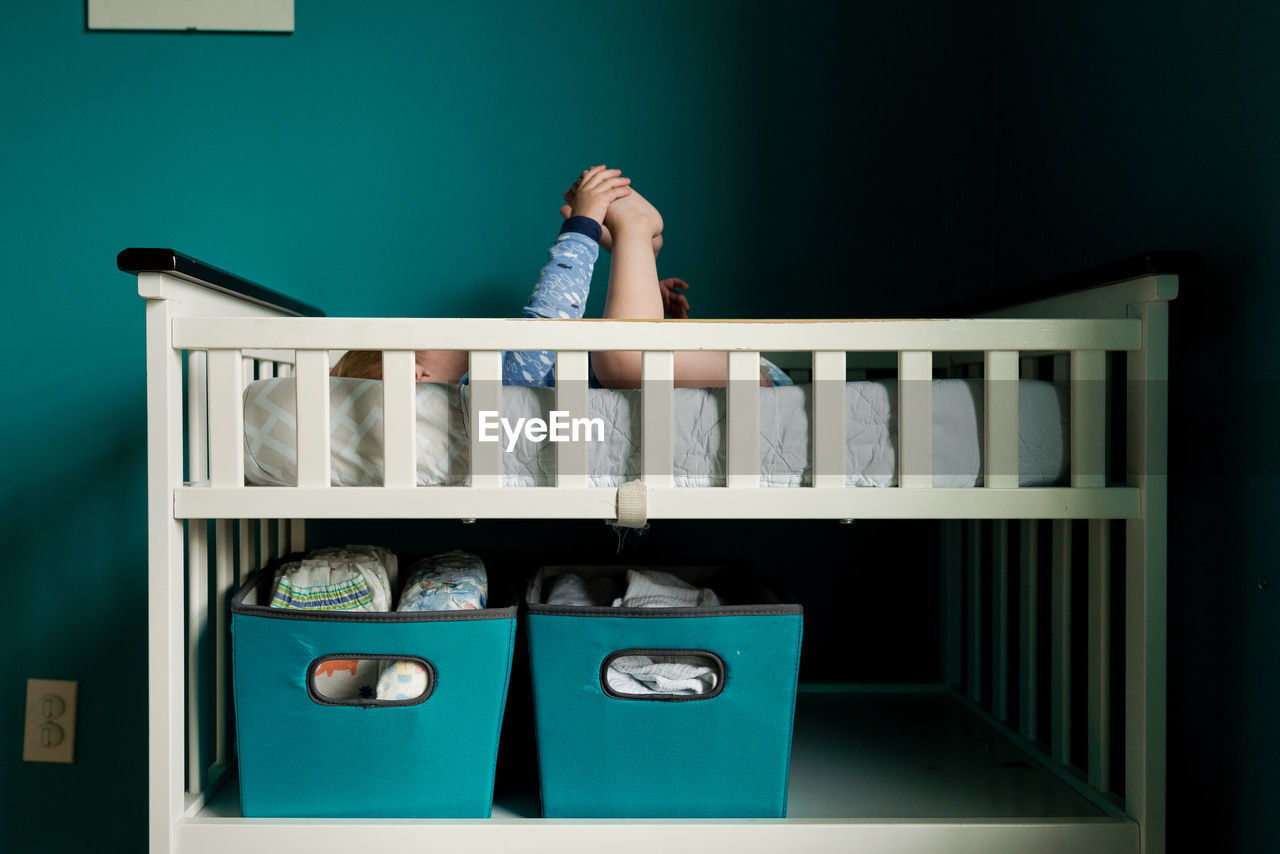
point(918, 344)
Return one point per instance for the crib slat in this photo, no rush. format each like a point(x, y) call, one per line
point(1000, 420)
point(197, 560)
point(266, 528)
point(224, 574)
point(828, 418)
point(1088, 418)
point(297, 535)
point(282, 536)
point(1099, 654)
point(657, 426)
point(1000, 619)
point(313, 417)
point(1060, 621)
point(915, 419)
point(1060, 643)
point(742, 405)
point(226, 418)
point(953, 637)
point(247, 560)
point(1029, 628)
point(399, 418)
point(571, 397)
point(486, 396)
point(975, 610)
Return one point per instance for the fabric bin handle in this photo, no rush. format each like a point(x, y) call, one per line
point(664, 675)
point(370, 680)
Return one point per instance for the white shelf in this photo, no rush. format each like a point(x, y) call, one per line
point(906, 771)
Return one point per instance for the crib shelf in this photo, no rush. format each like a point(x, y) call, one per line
point(872, 770)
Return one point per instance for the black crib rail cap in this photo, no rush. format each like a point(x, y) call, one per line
point(153, 260)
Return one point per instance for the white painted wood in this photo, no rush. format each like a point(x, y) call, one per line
point(282, 536)
point(266, 535)
point(657, 419)
point(313, 417)
point(639, 836)
point(226, 418)
point(1060, 619)
point(224, 583)
point(209, 15)
point(268, 530)
point(399, 418)
point(953, 634)
point(1099, 653)
point(191, 298)
point(1088, 418)
point(828, 435)
point(485, 377)
point(317, 333)
point(977, 569)
point(1000, 420)
point(284, 369)
point(1029, 629)
point(663, 503)
point(165, 608)
point(197, 559)
point(246, 560)
point(1060, 643)
point(197, 417)
point(1112, 300)
point(742, 409)
point(572, 372)
point(1146, 592)
point(1000, 619)
point(297, 535)
point(915, 419)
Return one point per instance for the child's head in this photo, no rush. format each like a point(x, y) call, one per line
point(430, 366)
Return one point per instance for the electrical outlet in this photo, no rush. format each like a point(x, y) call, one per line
point(51, 721)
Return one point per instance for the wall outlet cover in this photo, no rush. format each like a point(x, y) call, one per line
point(50, 722)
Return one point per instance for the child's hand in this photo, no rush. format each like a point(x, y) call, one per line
point(634, 212)
point(674, 304)
point(595, 189)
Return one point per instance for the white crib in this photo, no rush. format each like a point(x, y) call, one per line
point(950, 767)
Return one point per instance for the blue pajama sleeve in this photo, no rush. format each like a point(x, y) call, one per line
point(561, 292)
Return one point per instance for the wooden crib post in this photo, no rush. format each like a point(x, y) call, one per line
point(1146, 581)
point(165, 644)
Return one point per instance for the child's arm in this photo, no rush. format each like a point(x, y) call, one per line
point(565, 281)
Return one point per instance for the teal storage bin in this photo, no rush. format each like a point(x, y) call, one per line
point(304, 755)
point(725, 753)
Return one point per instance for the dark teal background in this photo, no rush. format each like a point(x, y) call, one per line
point(828, 159)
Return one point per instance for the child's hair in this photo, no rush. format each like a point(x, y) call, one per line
point(363, 364)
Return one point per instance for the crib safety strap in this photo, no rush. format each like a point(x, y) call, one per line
point(633, 505)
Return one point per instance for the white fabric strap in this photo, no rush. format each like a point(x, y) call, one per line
point(633, 505)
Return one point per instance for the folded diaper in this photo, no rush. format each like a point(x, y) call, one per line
point(453, 581)
point(668, 674)
point(354, 581)
point(650, 588)
point(402, 680)
point(353, 553)
point(570, 589)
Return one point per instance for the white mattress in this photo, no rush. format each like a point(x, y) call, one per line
point(444, 434)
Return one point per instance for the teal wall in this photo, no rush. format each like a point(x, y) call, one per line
point(1134, 125)
point(406, 158)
